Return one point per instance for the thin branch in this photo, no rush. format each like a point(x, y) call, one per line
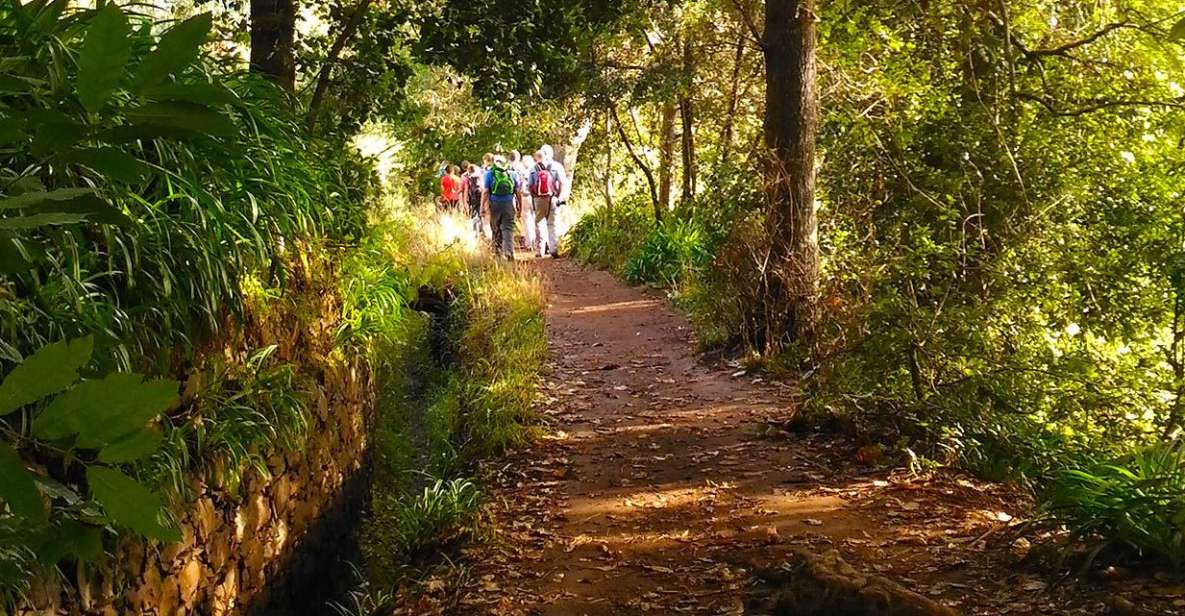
point(649, 173)
point(347, 32)
point(758, 36)
point(1091, 106)
point(1062, 50)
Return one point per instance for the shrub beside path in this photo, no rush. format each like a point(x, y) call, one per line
point(666, 486)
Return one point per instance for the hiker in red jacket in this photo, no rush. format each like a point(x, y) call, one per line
point(450, 189)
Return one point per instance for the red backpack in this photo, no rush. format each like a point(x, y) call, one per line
point(544, 182)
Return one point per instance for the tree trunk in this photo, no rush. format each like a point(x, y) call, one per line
point(273, 37)
point(641, 164)
point(734, 90)
point(608, 160)
point(666, 150)
point(568, 151)
point(791, 123)
point(349, 28)
point(687, 112)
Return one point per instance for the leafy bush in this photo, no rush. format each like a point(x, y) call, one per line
point(1138, 501)
point(607, 237)
point(91, 427)
point(151, 192)
point(668, 254)
point(197, 173)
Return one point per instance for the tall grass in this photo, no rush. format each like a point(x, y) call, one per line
point(439, 414)
point(207, 200)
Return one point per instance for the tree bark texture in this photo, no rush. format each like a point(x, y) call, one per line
point(666, 151)
point(273, 39)
point(687, 113)
point(791, 124)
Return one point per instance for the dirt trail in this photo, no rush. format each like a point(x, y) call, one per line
point(663, 485)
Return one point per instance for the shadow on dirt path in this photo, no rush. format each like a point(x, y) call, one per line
point(663, 487)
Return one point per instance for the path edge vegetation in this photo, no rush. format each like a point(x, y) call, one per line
point(850, 267)
point(184, 271)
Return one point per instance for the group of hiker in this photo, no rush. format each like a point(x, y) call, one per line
point(505, 190)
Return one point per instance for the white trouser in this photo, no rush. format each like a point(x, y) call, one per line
point(529, 230)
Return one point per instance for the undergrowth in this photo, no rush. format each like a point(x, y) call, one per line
point(442, 407)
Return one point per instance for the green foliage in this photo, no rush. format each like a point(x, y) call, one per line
point(674, 249)
point(511, 49)
point(198, 168)
point(128, 503)
point(1137, 501)
point(451, 391)
point(148, 188)
point(88, 426)
point(442, 514)
point(607, 237)
point(47, 372)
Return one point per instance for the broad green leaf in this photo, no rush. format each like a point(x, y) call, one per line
point(188, 117)
point(1177, 33)
point(53, 131)
point(178, 48)
point(104, 56)
point(12, 258)
point(40, 220)
point(46, 372)
point(112, 163)
point(11, 130)
point(201, 93)
point(93, 208)
point(129, 134)
point(17, 487)
point(135, 446)
point(34, 199)
point(47, 19)
point(128, 503)
point(71, 539)
point(102, 411)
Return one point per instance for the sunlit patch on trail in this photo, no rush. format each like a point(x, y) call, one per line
point(619, 306)
point(653, 499)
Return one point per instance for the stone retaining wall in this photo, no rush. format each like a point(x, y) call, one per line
point(272, 543)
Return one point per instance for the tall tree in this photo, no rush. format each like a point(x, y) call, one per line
point(273, 40)
point(666, 150)
point(791, 124)
point(687, 113)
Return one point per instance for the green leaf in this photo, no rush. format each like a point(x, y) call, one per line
point(178, 48)
point(112, 163)
point(92, 208)
point(71, 539)
point(11, 130)
point(17, 487)
point(189, 117)
point(101, 412)
point(128, 503)
point(36, 198)
point(1177, 33)
point(104, 55)
point(48, 371)
point(40, 220)
point(202, 93)
point(15, 256)
point(135, 446)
